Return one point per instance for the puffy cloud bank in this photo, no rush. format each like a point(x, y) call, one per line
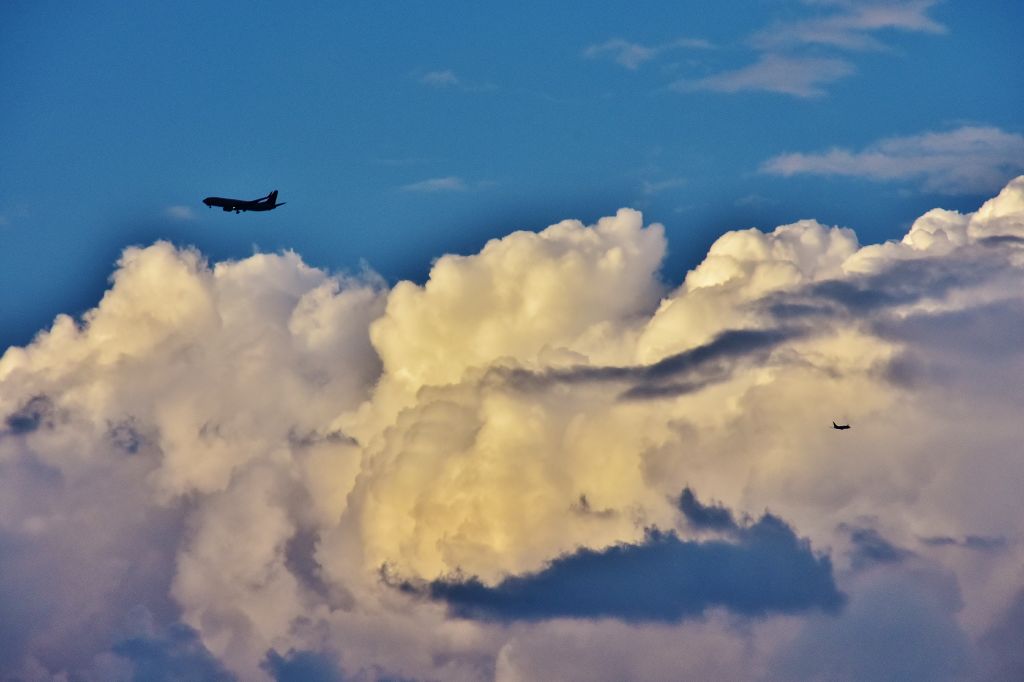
point(541, 464)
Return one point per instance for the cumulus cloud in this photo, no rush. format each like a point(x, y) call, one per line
point(966, 160)
point(256, 454)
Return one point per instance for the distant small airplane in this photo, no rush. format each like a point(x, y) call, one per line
point(238, 205)
point(840, 427)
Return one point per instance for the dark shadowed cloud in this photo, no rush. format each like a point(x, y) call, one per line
point(705, 516)
point(764, 569)
point(302, 666)
point(176, 654)
point(984, 543)
point(34, 414)
point(899, 283)
point(730, 344)
point(583, 506)
point(677, 374)
point(869, 547)
point(126, 436)
point(991, 329)
point(978, 543)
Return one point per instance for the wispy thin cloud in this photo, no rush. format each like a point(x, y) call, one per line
point(784, 64)
point(446, 79)
point(440, 79)
point(797, 76)
point(450, 183)
point(966, 160)
point(632, 55)
point(180, 212)
point(755, 201)
point(851, 28)
point(657, 187)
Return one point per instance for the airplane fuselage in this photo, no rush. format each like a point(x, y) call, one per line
point(266, 203)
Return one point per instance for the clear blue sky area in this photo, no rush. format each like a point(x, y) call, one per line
point(397, 131)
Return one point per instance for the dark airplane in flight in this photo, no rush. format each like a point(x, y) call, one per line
point(840, 427)
point(238, 205)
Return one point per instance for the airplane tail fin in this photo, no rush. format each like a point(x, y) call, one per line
point(273, 198)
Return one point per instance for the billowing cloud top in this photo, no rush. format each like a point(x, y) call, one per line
point(257, 470)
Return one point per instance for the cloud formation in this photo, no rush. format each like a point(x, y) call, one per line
point(446, 79)
point(765, 568)
point(651, 188)
point(449, 183)
point(180, 213)
point(798, 76)
point(802, 57)
point(632, 55)
point(440, 79)
point(852, 25)
point(230, 467)
point(967, 160)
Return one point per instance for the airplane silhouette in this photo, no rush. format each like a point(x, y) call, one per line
point(238, 205)
point(840, 427)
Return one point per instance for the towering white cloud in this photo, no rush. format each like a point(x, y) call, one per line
point(246, 468)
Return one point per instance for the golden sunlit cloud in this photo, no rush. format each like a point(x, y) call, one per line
point(255, 463)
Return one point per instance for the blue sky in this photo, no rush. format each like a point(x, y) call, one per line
point(399, 131)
